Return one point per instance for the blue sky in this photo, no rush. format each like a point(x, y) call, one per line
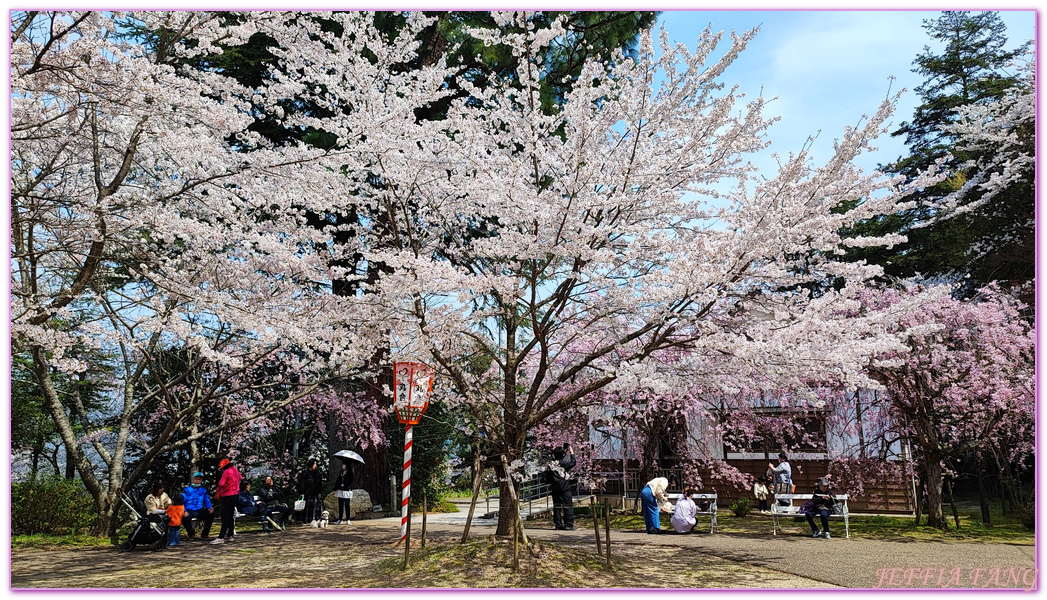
point(827, 68)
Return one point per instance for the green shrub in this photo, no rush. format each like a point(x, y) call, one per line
point(741, 507)
point(1026, 514)
point(51, 505)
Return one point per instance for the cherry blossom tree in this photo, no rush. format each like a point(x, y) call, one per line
point(728, 406)
point(537, 258)
point(965, 382)
point(149, 222)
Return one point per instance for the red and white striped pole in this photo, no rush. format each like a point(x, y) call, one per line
point(412, 384)
point(406, 486)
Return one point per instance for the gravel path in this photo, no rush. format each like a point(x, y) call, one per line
point(865, 563)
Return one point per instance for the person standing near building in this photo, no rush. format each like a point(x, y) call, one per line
point(654, 499)
point(760, 491)
point(560, 487)
point(783, 477)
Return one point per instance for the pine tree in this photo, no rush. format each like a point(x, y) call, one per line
point(974, 68)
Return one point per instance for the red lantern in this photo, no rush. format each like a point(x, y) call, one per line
point(412, 384)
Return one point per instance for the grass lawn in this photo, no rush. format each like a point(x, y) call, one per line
point(44, 540)
point(1003, 529)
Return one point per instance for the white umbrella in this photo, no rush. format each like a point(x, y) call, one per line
point(349, 455)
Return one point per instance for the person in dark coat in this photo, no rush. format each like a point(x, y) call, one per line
point(343, 490)
point(270, 497)
point(311, 485)
point(556, 477)
point(822, 502)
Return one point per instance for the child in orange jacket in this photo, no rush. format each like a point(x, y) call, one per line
point(175, 512)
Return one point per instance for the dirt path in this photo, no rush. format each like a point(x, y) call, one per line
point(366, 555)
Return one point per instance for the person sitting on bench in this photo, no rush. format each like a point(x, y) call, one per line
point(821, 505)
point(197, 506)
point(269, 495)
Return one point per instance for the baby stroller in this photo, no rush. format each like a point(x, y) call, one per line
point(149, 529)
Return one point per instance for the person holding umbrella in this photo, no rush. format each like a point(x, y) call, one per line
point(343, 485)
point(343, 490)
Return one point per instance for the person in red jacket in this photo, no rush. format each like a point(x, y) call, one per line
point(226, 493)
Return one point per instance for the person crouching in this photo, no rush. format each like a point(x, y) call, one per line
point(683, 518)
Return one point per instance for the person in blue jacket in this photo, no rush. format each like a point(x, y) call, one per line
point(197, 506)
point(245, 502)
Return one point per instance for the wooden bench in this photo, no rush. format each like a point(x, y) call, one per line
point(791, 510)
point(700, 499)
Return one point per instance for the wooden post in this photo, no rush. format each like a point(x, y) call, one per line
point(477, 480)
point(517, 531)
point(425, 509)
point(919, 502)
point(407, 538)
point(596, 526)
point(952, 502)
point(607, 530)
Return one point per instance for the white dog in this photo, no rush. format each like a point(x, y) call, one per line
point(325, 517)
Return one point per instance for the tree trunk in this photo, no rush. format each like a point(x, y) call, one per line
point(195, 458)
point(107, 522)
point(649, 460)
point(506, 508)
point(70, 464)
point(515, 440)
point(374, 476)
point(935, 517)
point(42, 372)
point(983, 494)
point(35, 464)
